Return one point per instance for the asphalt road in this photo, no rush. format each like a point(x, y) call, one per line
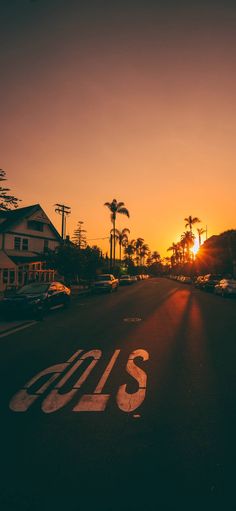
point(145, 420)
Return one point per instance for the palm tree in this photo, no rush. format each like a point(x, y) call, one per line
point(155, 256)
point(200, 231)
point(144, 251)
point(115, 207)
point(130, 250)
point(174, 249)
point(190, 221)
point(188, 239)
point(122, 238)
point(138, 243)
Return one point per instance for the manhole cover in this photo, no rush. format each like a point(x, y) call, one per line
point(132, 320)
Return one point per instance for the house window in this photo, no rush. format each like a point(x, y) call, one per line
point(5, 277)
point(17, 243)
point(12, 276)
point(25, 244)
point(35, 226)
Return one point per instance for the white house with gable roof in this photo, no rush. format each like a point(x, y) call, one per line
point(26, 234)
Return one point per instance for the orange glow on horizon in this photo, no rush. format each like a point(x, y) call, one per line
point(132, 104)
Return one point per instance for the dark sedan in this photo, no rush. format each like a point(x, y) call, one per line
point(35, 299)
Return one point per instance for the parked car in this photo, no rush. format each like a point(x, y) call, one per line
point(226, 287)
point(199, 281)
point(186, 280)
point(126, 280)
point(210, 281)
point(105, 283)
point(35, 299)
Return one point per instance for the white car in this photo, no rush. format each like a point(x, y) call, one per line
point(226, 287)
point(105, 283)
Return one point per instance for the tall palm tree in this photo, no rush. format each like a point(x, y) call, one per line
point(190, 221)
point(122, 238)
point(115, 207)
point(174, 249)
point(144, 251)
point(138, 243)
point(188, 238)
point(200, 231)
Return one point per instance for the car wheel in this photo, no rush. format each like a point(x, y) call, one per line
point(116, 289)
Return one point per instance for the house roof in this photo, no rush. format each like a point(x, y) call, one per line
point(13, 216)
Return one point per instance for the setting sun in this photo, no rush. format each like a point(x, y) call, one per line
point(195, 247)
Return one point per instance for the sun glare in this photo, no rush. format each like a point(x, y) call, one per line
point(195, 247)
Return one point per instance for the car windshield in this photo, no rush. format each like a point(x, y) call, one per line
point(103, 277)
point(33, 289)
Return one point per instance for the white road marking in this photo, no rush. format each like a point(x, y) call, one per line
point(92, 403)
point(106, 373)
point(23, 399)
point(97, 402)
point(17, 329)
point(54, 401)
point(129, 402)
point(132, 320)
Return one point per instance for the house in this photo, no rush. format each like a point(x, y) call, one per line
point(26, 234)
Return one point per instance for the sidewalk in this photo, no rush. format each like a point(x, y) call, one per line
point(77, 290)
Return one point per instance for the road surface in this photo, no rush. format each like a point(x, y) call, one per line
point(125, 401)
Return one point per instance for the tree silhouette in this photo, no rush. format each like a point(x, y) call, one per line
point(115, 207)
point(7, 201)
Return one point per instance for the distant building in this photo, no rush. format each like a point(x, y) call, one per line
point(26, 234)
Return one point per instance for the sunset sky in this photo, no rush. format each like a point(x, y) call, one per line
point(133, 100)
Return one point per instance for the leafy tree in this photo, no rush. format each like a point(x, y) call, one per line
point(7, 201)
point(75, 264)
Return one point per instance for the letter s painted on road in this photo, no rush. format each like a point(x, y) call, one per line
point(129, 402)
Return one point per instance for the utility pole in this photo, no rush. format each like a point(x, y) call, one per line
point(63, 211)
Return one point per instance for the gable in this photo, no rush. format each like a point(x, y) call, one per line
point(30, 221)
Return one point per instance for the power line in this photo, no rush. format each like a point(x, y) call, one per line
point(93, 239)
